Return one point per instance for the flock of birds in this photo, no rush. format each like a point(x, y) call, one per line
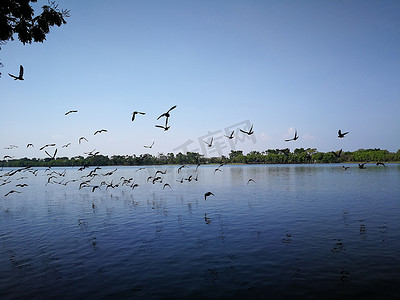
point(54, 176)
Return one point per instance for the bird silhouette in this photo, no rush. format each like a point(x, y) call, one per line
point(231, 135)
point(11, 192)
point(21, 185)
point(208, 194)
point(362, 166)
point(29, 145)
point(294, 138)
point(248, 181)
point(48, 145)
point(160, 172)
point(66, 145)
point(337, 154)
point(165, 185)
point(167, 115)
point(51, 156)
point(149, 146)
point(70, 112)
point(217, 169)
point(341, 135)
point(163, 127)
point(21, 74)
point(81, 139)
point(166, 127)
point(345, 168)
point(210, 143)
point(250, 132)
point(181, 167)
point(135, 113)
point(100, 131)
point(95, 187)
point(380, 164)
point(134, 185)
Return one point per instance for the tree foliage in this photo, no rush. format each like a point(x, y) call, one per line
point(17, 17)
point(270, 156)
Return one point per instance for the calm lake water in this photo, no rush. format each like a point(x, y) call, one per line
point(297, 231)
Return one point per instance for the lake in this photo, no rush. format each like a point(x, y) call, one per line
point(295, 231)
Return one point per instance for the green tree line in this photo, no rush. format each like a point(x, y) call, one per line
point(270, 156)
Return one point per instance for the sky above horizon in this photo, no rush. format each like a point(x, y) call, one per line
point(311, 66)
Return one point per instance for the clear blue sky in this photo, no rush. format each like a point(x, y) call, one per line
point(314, 66)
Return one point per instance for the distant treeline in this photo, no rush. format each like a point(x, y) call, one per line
point(270, 156)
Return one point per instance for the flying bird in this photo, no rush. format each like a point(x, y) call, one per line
point(163, 127)
point(210, 143)
point(48, 145)
point(217, 169)
point(100, 131)
point(208, 194)
point(149, 146)
point(54, 155)
point(167, 115)
point(250, 132)
point(82, 138)
point(134, 185)
point(231, 135)
point(165, 185)
point(345, 168)
point(10, 192)
point(21, 185)
point(380, 164)
point(294, 138)
point(341, 135)
point(70, 112)
point(337, 154)
point(362, 166)
point(135, 113)
point(66, 145)
point(248, 181)
point(161, 172)
point(21, 74)
point(95, 187)
point(181, 167)
point(29, 145)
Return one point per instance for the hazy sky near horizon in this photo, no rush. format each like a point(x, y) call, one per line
point(310, 66)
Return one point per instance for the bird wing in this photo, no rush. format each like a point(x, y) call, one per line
point(173, 107)
point(21, 71)
point(163, 115)
point(339, 132)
